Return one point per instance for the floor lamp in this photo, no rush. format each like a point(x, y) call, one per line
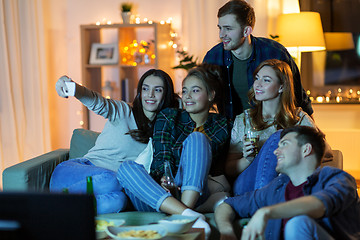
point(301, 32)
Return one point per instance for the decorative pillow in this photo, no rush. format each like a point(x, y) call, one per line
point(145, 158)
point(81, 142)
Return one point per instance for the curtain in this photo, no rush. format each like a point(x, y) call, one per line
point(24, 113)
point(199, 25)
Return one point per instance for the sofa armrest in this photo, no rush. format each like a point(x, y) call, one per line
point(336, 161)
point(33, 174)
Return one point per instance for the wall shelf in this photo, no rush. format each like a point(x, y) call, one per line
point(158, 35)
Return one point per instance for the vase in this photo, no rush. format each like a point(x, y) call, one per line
point(126, 17)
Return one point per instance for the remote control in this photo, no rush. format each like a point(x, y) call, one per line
point(71, 89)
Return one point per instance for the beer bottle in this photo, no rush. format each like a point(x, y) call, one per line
point(90, 190)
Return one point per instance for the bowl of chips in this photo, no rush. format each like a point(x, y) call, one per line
point(178, 223)
point(102, 223)
point(152, 231)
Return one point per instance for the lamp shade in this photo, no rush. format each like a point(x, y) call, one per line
point(301, 31)
point(339, 41)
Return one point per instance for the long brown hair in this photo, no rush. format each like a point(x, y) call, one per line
point(170, 99)
point(286, 116)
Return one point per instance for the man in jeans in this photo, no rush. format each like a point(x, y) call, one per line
point(303, 202)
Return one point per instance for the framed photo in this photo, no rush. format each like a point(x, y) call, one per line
point(104, 53)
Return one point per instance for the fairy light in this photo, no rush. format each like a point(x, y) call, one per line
point(320, 99)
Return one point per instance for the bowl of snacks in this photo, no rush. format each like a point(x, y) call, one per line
point(178, 223)
point(152, 231)
point(102, 223)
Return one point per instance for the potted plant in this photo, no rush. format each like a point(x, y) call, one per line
point(126, 11)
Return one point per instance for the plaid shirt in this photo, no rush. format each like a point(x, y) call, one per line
point(173, 126)
point(263, 49)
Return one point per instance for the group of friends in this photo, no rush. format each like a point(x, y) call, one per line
point(282, 188)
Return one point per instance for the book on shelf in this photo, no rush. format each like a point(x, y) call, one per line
point(125, 90)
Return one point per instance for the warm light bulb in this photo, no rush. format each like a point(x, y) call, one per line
point(162, 22)
point(327, 99)
point(81, 123)
point(319, 99)
point(174, 45)
point(308, 92)
point(108, 22)
point(98, 23)
point(339, 90)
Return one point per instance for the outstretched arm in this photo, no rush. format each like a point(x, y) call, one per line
point(308, 205)
point(108, 108)
point(224, 217)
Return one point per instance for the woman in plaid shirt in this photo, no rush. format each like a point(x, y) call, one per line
point(192, 139)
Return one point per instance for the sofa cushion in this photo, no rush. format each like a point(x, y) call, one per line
point(81, 141)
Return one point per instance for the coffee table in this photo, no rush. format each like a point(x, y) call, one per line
point(134, 218)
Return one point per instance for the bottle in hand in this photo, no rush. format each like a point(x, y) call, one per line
point(251, 134)
point(169, 181)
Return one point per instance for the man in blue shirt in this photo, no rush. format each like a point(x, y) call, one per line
point(240, 53)
point(303, 202)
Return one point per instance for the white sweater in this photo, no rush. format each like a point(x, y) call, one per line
point(113, 144)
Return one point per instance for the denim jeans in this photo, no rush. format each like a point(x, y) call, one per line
point(72, 175)
point(304, 228)
point(147, 195)
point(262, 169)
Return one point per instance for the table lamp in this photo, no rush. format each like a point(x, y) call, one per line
point(339, 41)
point(301, 32)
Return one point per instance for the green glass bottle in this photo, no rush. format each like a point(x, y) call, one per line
point(90, 191)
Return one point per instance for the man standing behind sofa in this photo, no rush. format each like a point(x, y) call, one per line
point(303, 202)
point(240, 53)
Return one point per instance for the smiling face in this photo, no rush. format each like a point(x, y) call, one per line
point(230, 32)
point(288, 154)
point(195, 97)
point(267, 85)
point(152, 93)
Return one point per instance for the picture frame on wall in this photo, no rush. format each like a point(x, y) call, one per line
point(104, 53)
